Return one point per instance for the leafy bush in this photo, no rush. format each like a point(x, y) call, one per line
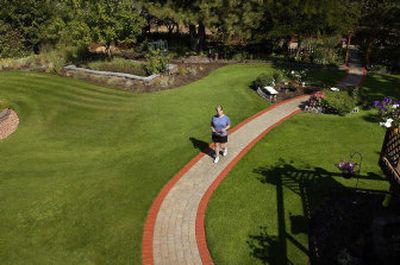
point(338, 102)
point(119, 65)
point(4, 104)
point(45, 62)
point(322, 50)
point(78, 54)
point(322, 55)
point(379, 69)
point(156, 62)
point(11, 42)
point(242, 56)
point(278, 76)
point(263, 80)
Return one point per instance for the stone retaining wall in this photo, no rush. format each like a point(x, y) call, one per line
point(146, 79)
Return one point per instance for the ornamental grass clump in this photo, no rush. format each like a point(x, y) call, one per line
point(389, 110)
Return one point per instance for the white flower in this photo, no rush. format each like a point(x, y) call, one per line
point(292, 72)
point(395, 106)
point(387, 124)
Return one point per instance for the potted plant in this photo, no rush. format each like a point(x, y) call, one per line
point(348, 168)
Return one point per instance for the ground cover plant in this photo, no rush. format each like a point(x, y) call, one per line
point(259, 213)
point(119, 65)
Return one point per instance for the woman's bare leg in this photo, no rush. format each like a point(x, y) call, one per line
point(217, 149)
point(223, 147)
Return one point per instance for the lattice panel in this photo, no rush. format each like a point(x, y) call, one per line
point(389, 159)
point(391, 147)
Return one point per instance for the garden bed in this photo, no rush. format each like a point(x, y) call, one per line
point(183, 74)
point(342, 230)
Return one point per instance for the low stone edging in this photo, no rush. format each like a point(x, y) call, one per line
point(4, 114)
point(74, 68)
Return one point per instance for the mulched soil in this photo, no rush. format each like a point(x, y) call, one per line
point(8, 125)
point(201, 70)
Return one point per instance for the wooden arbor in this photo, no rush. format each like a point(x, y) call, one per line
point(389, 160)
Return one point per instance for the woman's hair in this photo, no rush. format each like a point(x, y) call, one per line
point(219, 107)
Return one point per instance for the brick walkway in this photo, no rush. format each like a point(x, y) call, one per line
point(174, 230)
point(171, 238)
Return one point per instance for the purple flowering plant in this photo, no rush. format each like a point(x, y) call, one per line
point(347, 167)
point(389, 109)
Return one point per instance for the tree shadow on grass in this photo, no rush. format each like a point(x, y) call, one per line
point(266, 248)
point(312, 185)
point(202, 146)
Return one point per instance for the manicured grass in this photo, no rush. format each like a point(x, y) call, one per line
point(119, 65)
point(80, 173)
point(4, 104)
point(257, 214)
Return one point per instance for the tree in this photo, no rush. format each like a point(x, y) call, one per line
point(379, 30)
point(30, 18)
point(117, 21)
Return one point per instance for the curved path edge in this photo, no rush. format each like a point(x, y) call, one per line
point(149, 227)
point(147, 242)
point(200, 225)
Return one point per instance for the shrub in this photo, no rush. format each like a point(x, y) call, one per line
point(11, 42)
point(119, 65)
point(263, 80)
point(321, 50)
point(278, 76)
point(338, 102)
point(156, 62)
point(77, 54)
point(4, 104)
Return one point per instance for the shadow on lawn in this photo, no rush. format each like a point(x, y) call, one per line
point(312, 184)
point(202, 146)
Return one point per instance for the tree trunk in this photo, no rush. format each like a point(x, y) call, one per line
point(298, 48)
point(193, 36)
point(346, 58)
point(108, 51)
point(368, 54)
point(202, 37)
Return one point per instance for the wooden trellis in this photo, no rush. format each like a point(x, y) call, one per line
point(390, 159)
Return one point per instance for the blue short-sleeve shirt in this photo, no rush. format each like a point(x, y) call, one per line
point(220, 123)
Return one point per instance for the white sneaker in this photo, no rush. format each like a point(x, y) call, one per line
point(225, 152)
point(216, 159)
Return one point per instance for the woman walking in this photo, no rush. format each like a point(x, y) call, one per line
point(220, 123)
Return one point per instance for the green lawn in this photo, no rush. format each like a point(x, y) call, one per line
point(257, 214)
point(79, 175)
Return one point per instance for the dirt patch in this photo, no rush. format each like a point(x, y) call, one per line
point(8, 124)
